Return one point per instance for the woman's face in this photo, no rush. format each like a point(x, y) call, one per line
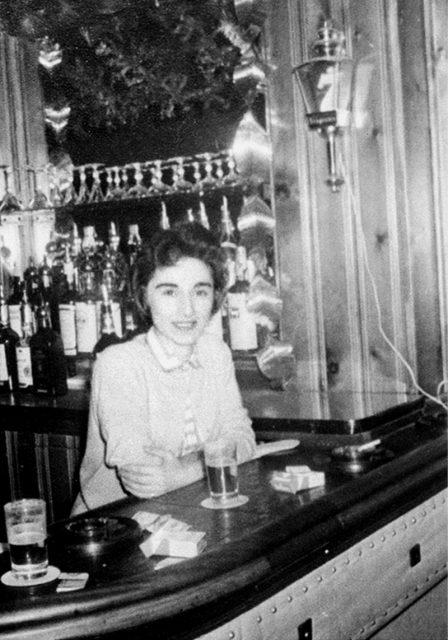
point(180, 298)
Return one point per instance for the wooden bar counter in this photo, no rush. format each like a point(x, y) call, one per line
point(362, 556)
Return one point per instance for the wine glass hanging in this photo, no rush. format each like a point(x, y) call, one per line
point(155, 178)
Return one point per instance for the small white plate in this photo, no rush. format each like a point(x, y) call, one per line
point(11, 581)
point(209, 503)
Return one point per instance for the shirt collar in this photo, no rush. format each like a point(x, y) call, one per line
point(169, 362)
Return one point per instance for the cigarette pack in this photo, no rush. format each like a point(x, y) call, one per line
point(182, 544)
point(299, 468)
point(150, 546)
point(297, 478)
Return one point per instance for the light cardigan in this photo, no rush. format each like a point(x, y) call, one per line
point(137, 402)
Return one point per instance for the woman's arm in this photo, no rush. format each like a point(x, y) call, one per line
point(120, 404)
point(160, 473)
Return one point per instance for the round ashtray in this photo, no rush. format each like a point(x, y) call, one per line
point(353, 459)
point(96, 536)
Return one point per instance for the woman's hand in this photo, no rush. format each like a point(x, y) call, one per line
point(159, 473)
point(146, 478)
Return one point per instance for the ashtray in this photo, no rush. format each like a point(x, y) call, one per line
point(96, 536)
point(354, 459)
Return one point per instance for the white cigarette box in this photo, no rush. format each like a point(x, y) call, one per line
point(182, 544)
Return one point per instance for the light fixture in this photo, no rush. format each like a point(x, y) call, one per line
point(252, 150)
point(326, 83)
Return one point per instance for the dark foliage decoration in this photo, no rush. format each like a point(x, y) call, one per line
point(123, 59)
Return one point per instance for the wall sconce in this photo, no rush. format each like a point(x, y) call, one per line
point(325, 82)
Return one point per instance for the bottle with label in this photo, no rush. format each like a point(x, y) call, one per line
point(242, 324)
point(86, 310)
point(108, 334)
point(47, 356)
point(111, 278)
point(23, 351)
point(14, 300)
point(8, 343)
point(67, 323)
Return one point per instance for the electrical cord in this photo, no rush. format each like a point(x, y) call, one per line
point(361, 237)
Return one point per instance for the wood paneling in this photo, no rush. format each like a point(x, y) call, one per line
point(359, 282)
point(41, 465)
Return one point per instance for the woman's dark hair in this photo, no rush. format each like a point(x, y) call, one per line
point(166, 248)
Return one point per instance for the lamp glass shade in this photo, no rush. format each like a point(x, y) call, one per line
point(252, 149)
point(326, 86)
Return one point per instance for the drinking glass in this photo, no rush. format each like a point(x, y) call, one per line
point(222, 469)
point(26, 530)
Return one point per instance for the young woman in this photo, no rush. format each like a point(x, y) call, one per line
point(156, 399)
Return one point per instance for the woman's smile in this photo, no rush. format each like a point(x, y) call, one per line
point(180, 298)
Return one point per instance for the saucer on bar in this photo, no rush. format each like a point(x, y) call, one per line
point(209, 503)
point(10, 580)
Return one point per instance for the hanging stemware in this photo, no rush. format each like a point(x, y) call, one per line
point(83, 193)
point(208, 181)
point(180, 184)
point(158, 187)
point(9, 202)
point(138, 190)
point(231, 177)
point(96, 193)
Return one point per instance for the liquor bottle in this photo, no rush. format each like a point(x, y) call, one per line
point(68, 267)
point(23, 352)
point(228, 242)
point(242, 324)
point(85, 309)
point(67, 323)
point(48, 291)
point(203, 218)
point(8, 343)
point(31, 277)
point(134, 250)
point(89, 244)
point(164, 220)
point(114, 238)
point(112, 278)
point(14, 305)
point(108, 335)
point(47, 356)
point(76, 244)
point(133, 246)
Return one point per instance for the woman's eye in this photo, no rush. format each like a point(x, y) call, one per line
point(203, 293)
point(169, 292)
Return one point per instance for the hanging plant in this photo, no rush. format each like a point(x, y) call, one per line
point(123, 58)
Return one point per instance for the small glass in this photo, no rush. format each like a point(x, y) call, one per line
point(222, 469)
point(26, 530)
